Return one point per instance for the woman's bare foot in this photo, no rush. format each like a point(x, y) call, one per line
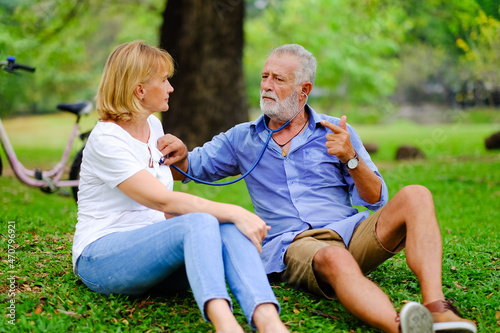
point(222, 317)
point(267, 319)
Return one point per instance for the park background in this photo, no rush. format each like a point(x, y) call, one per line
point(420, 73)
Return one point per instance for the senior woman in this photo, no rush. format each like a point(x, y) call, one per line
point(134, 233)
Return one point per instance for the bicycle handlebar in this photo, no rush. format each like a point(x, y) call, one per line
point(11, 66)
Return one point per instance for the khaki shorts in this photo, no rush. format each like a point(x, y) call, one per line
point(365, 247)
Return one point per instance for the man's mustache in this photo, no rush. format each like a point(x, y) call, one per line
point(269, 95)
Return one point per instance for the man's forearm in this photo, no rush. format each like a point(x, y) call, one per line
point(183, 165)
point(367, 183)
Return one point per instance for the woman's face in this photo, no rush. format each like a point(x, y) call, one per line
point(156, 92)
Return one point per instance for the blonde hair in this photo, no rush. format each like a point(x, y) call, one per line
point(129, 65)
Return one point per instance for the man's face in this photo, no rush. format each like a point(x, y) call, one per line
point(278, 92)
point(280, 111)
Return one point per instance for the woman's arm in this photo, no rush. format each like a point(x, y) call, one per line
point(145, 189)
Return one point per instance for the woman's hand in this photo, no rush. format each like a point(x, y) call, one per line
point(249, 224)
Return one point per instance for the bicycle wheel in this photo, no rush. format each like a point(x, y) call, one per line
point(74, 172)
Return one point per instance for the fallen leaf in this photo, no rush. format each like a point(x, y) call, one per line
point(296, 311)
point(324, 314)
point(70, 313)
point(144, 304)
point(459, 286)
point(39, 307)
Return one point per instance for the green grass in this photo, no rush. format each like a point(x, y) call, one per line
point(463, 177)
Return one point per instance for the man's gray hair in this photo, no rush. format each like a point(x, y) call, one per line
point(307, 70)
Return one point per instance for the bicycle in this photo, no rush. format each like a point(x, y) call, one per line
point(48, 181)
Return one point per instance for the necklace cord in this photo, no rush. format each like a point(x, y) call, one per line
point(281, 146)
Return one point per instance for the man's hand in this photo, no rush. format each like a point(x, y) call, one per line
point(339, 142)
point(172, 148)
point(174, 152)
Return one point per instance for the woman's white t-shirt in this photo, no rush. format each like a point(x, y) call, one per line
point(111, 156)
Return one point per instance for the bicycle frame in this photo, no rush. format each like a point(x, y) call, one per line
point(48, 181)
point(51, 178)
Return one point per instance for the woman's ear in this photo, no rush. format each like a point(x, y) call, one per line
point(139, 92)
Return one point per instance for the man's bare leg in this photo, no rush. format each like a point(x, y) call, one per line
point(411, 211)
point(360, 296)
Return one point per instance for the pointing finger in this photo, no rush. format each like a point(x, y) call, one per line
point(329, 125)
point(333, 127)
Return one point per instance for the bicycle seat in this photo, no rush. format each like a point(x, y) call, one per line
point(79, 108)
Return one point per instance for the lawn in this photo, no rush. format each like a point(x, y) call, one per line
point(39, 292)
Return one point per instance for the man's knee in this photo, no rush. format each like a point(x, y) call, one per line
point(416, 192)
point(332, 260)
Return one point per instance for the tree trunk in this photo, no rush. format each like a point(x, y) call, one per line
point(205, 38)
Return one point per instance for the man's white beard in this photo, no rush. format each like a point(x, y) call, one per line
point(279, 111)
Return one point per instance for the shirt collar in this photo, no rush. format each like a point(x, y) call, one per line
point(258, 124)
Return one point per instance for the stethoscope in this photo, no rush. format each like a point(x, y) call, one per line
point(271, 132)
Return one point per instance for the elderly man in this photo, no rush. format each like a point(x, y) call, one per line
point(311, 175)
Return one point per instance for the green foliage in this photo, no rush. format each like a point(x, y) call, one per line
point(482, 49)
point(490, 7)
point(68, 42)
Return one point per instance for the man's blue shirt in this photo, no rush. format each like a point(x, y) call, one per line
point(307, 189)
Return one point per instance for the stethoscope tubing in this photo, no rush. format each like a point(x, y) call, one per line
point(271, 132)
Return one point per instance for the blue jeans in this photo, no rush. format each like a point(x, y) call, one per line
point(133, 262)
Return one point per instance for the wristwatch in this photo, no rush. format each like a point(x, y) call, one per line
point(353, 162)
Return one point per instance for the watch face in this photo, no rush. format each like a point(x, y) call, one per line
point(352, 163)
